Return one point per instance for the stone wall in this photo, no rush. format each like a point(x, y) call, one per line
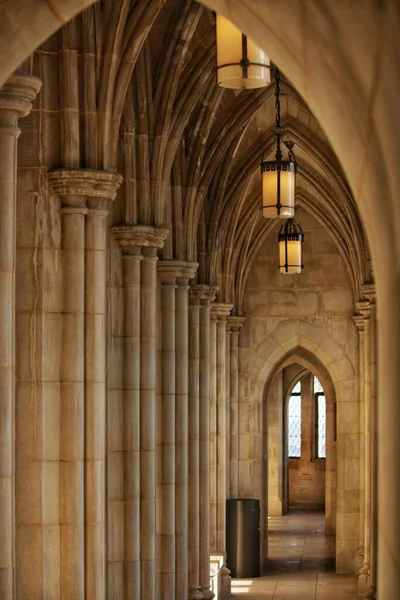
point(285, 316)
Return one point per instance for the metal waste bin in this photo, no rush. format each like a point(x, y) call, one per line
point(243, 537)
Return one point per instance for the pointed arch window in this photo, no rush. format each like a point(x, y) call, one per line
point(320, 419)
point(294, 422)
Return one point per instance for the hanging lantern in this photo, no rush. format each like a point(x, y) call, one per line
point(278, 176)
point(290, 241)
point(240, 63)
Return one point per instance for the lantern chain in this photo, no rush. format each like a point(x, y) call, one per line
point(278, 129)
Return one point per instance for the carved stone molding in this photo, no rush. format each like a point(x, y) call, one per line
point(139, 235)
point(203, 292)
point(84, 182)
point(221, 310)
point(235, 323)
point(178, 269)
point(359, 322)
point(18, 93)
point(364, 307)
point(369, 292)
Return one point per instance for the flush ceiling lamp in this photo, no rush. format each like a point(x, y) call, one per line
point(290, 241)
point(278, 176)
point(240, 63)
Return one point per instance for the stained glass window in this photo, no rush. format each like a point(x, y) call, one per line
point(294, 422)
point(320, 421)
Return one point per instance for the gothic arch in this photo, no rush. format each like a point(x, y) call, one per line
point(288, 338)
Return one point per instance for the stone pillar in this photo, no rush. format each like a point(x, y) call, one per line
point(83, 377)
point(198, 435)
point(207, 294)
point(228, 409)
point(166, 580)
point(132, 238)
point(142, 578)
point(16, 97)
point(359, 322)
point(172, 523)
point(365, 571)
point(187, 272)
point(235, 324)
point(222, 311)
point(194, 445)
point(213, 429)
point(370, 294)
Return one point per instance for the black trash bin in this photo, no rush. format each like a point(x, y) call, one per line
point(243, 537)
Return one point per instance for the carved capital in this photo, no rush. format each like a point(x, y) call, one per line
point(130, 236)
point(178, 269)
point(364, 308)
point(18, 93)
point(97, 187)
point(369, 292)
point(235, 323)
point(221, 310)
point(203, 292)
point(359, 322)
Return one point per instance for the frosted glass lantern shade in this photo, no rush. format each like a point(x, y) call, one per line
point(291, 262)
point(241, 64)
point(278, 188)
point(290, 241)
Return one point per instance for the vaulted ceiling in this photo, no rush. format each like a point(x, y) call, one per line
point(141, 75)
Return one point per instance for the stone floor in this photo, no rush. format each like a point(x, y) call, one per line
point(301, 564)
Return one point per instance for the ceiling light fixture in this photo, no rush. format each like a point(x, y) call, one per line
point(278, 176)
point(290, 241)
point(240, 63)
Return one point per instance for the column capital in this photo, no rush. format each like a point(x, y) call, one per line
point(95, 186)
point(205, 292)
point(131, 236)
point(369, 292)
point(18, 93)
point(179, 269)
point(221, 310)
point(359, 322)
point(235, 323)
point(364, 307)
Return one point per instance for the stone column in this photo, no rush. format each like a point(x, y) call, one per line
point(194, 445)
point(166, 579)
point(187, 272)
point(198, 454)
point(16, 97)
point(139, 307)
point(359, 322)
point(365, 571)
point(207, 294)
point(370, 294)
point(213, 429)
point(222, 311)
point(236, 324)
point(83, 377)
point(228, 409)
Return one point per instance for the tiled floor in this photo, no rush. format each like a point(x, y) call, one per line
point(300, 565)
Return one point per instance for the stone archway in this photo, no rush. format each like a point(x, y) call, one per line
point(320, 352)
point(342, 61)
point(307, 364)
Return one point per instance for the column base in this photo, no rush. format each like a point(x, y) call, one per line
point(196, 594)
point(207, 593)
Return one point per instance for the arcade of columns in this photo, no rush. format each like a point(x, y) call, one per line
point(114, 480)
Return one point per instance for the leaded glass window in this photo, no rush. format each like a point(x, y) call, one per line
point(320, 421)
point(294, 422)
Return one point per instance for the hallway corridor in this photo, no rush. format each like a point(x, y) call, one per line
point(300, 565)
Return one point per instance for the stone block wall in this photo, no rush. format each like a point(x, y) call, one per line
point(285, 316)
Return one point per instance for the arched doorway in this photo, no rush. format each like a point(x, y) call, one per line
point(298, 365)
